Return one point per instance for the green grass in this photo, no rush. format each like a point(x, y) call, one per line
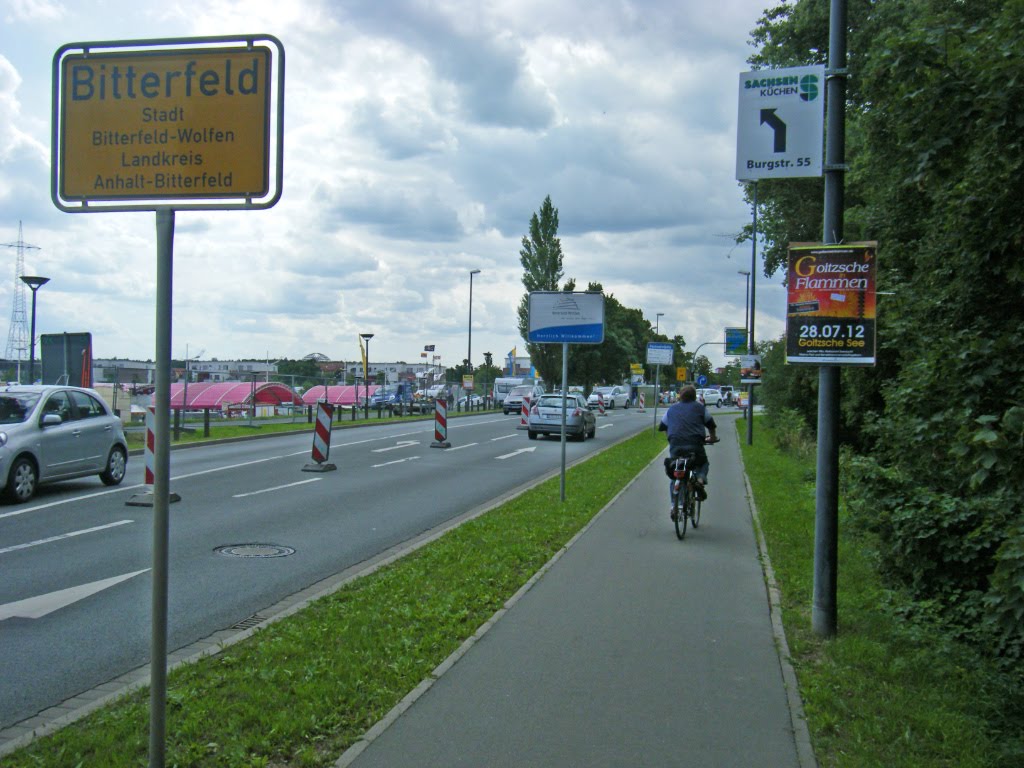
point(883, 692)
point(299, 692)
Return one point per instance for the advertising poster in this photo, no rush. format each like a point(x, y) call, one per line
point(830, 314)
point(750, 369)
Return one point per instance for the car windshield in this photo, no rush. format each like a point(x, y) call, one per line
point(603, 390)
point(522, 390)
point(14, 408)
point(555, 401)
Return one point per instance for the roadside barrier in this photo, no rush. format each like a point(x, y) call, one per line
point(322, 439)
point(440, 425)
point(524, 415)
point(600, 405)
point(145, 499)
point(641, 402)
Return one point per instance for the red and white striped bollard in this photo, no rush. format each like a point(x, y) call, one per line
point(440, 425)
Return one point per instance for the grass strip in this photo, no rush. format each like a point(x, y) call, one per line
point(884, 691)
point(301, 691)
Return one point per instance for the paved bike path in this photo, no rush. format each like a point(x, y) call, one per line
point(632, 649)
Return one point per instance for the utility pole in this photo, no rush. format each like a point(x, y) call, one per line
point(826, 509)
point(17, 335)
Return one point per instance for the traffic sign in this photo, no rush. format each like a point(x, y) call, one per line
point(565, 317)
point(659, 353)
point(781, 123)
point(702, 380)
point(735, 341)
point(167, 122)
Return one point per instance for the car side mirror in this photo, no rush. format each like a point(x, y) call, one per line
point(51, 419)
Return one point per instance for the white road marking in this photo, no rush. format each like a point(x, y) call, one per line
point(531, 449)
point(605, 426)
point(503, 437)
point(396, 461)
point(400, 444)
point(460, 447)
point(276, 488)
point(51, 539)
point(36, 607)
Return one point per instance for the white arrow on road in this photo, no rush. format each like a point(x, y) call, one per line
point(399, 444)
point(531, 449)
point(396, 461)
point(36, 607)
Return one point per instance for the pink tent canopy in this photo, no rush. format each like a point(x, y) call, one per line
point(337, 394)
point(223, 394)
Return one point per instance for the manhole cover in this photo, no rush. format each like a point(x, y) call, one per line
point(255, 550)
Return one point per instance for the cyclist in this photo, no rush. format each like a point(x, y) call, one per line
point(686, 422)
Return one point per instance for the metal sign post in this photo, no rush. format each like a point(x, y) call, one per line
point(166, 125)
point(659, 353)
point(567, 318)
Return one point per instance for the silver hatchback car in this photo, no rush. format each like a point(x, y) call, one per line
point(50, 433)
point(546, 417)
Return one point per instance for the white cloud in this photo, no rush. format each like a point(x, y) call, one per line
point(420, 136)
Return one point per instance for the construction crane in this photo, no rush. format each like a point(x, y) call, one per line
point(17, 335)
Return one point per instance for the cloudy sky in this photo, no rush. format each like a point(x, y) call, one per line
point(420, 136)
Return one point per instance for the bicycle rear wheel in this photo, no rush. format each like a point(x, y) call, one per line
point(682, 515)
point(696, 511)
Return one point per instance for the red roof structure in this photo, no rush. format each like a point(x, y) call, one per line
point(222, 395)
point(337, 394)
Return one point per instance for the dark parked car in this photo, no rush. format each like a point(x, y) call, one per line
point(50, 433)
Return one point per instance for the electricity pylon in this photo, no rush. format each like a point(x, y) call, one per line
point(17, 336)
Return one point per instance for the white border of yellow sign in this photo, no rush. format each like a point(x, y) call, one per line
point(166, 123)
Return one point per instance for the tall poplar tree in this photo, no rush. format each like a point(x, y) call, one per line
point(541, 257)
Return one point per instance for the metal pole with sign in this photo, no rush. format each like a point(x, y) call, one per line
point(166, 125)
point(659, 353)
point(565, 317)
point(779, 134)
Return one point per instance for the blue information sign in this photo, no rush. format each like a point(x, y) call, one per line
point(564, 317)
point(702, 380)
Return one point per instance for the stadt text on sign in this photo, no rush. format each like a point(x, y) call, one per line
point(191, 123)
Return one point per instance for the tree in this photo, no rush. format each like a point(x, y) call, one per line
point(936, 160)
point(541, 257)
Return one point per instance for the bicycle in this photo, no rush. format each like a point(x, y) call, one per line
point(685, 504)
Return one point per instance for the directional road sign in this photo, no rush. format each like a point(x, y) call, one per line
point(780, 130)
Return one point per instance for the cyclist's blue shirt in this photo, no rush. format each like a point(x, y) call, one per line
point(686, 423)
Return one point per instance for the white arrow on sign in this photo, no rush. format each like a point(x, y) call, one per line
point(531, 449)
point(396, 446)
point(36, 607)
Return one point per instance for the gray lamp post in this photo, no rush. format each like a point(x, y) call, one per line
point(35, 283)
point(366, 374)
point(469, 350)
point(746, 306)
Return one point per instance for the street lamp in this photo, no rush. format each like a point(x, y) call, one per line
point(657, 368)
point(35, 283)
point(746, 306)
point(469, 351)
point(366, 373)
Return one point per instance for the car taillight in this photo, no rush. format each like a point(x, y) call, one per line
point(577, 412)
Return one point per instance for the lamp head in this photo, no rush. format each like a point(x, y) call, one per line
point(34, 281)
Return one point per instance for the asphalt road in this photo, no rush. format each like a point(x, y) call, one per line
point(75, 587)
